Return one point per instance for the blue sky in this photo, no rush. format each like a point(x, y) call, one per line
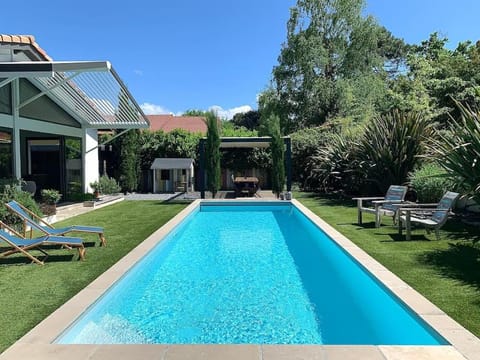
point(176, 55)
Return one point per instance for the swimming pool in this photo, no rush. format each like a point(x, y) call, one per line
point(249, 274)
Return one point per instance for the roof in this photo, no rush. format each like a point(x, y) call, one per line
point(167, 123)
point(26, 40)
point(172, 163)
point(90, 91)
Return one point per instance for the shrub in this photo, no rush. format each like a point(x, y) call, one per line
point(10, 190)
point(390, 148)
point(334, 167)
point(50, 196)
point(305, 143)
point(431, 182)
point(458, 152)
point(106, 185)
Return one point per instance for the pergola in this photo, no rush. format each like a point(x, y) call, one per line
point(246, 142)
point(90, 92)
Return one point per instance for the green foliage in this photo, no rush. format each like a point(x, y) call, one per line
point(129, 164)
point(212, 154)
point(10, 190)
point(175, 144)
point(458, 152)
point(430, 182)
point(249, 120)
point(277, 149)
point(229, 129)
point(195, 112)
point(105, 185)
point(305, 144)
point(435, 75)
point(50, 196)
point(390, 148)
point(334, 166)
point(331, 61)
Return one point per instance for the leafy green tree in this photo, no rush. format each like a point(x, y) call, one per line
point(212, 154)
point(249, 120)
point(178, 143)
point(435, 76)
point(195, 112)
point(330, 49)
point(277, 150)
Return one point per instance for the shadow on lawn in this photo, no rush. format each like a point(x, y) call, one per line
point(22, 260)
point(460, 261)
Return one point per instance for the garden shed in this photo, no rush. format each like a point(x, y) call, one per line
point(172, 174)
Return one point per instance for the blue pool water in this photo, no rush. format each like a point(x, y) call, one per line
point(249, 274)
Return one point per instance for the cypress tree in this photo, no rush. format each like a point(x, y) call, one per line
point(277, 149)
point(212, 154)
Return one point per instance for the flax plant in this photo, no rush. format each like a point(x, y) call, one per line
point(458, 152)
point(390, 147)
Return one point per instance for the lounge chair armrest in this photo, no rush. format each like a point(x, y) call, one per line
point(411, 209)
point(369, 198)
point(389, 202)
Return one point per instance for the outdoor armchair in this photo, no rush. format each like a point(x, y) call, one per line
point(18, 244)
point(431, 217)
point(37, 223)
point(382, 205)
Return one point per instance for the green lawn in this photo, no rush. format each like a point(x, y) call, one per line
point(447, 272)
point(29, 292)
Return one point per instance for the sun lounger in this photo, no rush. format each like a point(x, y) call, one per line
point(382, 205)
point(18, 244)
point(37, 223)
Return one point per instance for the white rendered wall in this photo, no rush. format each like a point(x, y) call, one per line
point(90, 158)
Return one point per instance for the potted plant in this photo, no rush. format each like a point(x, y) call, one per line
point(50, 198)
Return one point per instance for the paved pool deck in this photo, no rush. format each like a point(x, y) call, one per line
point(37, 344)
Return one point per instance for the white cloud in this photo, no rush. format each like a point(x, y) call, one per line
point(153, 109)
point(229, 113)
point(138, 72)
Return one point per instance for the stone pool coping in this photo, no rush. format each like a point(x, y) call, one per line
point(37, 343)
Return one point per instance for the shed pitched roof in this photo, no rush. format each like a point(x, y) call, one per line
point(167, 123)
point(172, 163)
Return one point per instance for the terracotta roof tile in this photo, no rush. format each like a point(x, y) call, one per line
point(167, 123)
point(25, 39)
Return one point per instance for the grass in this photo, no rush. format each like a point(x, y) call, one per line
point(29, 292)
point(447, 271)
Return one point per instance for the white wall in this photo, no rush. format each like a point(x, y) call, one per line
point(90, 158)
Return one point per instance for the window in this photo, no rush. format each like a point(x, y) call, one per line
point(5, 98)
point(6, 156)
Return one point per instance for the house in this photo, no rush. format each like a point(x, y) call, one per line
point(51, 112)
point(167, 123)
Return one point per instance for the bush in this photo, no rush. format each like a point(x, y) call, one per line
point(390, 148)
point(458, 152)
point(431, 182)
point(334, 167)
point(50, 196)
point(10, 190)
point(106, 185)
